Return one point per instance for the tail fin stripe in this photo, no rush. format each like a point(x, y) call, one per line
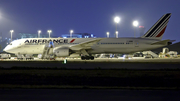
point(157, 32)
point(161, 32)
point(160, 28)
point(154, 25)
point(166, 16)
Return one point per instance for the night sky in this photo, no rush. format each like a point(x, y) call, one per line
point(87, 16)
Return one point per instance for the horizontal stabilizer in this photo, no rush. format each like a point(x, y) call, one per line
point(172, 40)
point(164, 42)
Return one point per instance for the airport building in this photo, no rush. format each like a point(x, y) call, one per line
point(74, 35)
point(4, 43)
point(79, 35)
point(28, 35)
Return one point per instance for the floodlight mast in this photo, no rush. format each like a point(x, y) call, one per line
point(107, 34)
point(11, 34)
point(71, 31)
point(49, 31)
point(39, 31)
point(116, 20)
point(116, 34)
point(135, 24)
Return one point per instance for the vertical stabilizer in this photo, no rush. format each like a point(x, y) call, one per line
point(158, 29)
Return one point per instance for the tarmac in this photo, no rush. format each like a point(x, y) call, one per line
point(88, 95)
point(98, 63)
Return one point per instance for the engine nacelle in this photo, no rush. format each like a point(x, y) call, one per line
point(61, 52)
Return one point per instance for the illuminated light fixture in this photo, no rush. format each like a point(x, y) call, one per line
point(39, 31)
point(71, 31)
point(107, 34)
point(135, 24)
point(116, 20)
point(116, 34)
point(11, 34)
point(49, 31)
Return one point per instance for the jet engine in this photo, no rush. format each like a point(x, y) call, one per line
point(62, 52)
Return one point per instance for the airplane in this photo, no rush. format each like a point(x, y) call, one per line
point(64, 47)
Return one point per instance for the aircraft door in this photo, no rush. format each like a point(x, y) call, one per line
point(136, 43)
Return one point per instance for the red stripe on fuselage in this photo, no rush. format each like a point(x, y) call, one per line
point(161, 33)
point(72, 41)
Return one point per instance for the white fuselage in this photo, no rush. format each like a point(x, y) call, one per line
point(106, 45)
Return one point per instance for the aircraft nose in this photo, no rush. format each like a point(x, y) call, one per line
point(7, 48)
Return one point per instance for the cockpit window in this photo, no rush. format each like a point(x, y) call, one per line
point(10, 44)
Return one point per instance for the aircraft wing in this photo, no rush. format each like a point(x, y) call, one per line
point(164, 42)
point(85, 45)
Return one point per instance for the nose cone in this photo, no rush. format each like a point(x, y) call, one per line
point(7, 49)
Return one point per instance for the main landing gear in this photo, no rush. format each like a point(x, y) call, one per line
point(87, 57)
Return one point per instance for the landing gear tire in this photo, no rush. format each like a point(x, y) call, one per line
point(83, 58)
point(92, 57)
point(87, 57)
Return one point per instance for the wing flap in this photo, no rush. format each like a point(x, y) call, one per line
point(85, 45)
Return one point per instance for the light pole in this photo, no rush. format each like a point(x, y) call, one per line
point(107, 34)
point(135, 24)
point(49, 31)
point(0, 15)
point(116, 34)
point(116, 20)
point(11, 34)
point(39, 31)
point(71, 31)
